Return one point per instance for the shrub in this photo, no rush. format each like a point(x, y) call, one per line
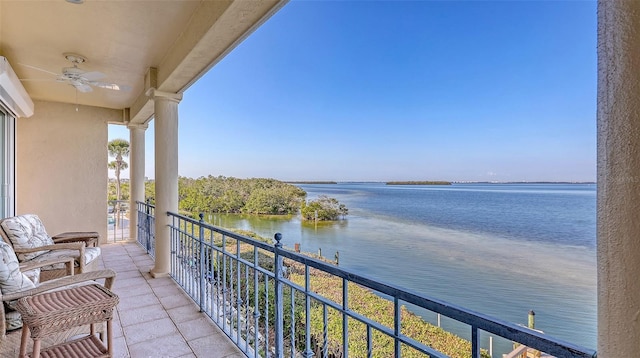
point(326, 209)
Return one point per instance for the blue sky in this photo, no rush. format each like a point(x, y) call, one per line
point(400, 90)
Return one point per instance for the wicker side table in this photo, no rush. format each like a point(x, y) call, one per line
point(54, 312)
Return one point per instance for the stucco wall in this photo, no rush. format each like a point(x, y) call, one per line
point(618, 179)
point(61, 166)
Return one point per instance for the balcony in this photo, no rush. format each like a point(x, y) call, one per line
point(251, 289)
point(242, 304)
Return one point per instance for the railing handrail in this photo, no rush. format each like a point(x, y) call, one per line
point(145, 203)
point(476, 320)
point(231, 234)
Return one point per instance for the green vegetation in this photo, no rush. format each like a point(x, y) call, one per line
point(150, 191)
point(118, 148)
point(245, 196)
point(323, 209)
point(112, 190)
point(436, 182)
point(232, 195)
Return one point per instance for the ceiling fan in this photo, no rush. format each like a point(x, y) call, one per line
point(80, 79)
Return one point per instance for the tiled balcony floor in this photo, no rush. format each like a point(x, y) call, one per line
point(155, 318)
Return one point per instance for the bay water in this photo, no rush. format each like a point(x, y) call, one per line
point(497, 249)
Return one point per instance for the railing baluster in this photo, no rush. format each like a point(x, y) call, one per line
point(246, 309)
point(307, 307)
point(152, 233)
point(218, 281)
point(475, 344)
point(183, 251)
point(189, 271)
point(238, 302)
point(202, 262)
point(224, 282)
point(396, 326)
point(369, 342)
point(256, 305)
point(345, 317)
point(266, 316)
point(192, 263)
point(279, 324)
point(208, 273)
point(232, 291)
point(325, 331)
point(147, 222)
point(293, 323)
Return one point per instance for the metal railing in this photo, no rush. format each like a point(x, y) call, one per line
point(247, 288)
point(118, 220)
point(146, 227)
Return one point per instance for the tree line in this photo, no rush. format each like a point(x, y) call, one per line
point(222, 194)
point(262, 196)
point(241, 196)
point(238, 196)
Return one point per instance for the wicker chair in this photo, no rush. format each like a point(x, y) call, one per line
point(28, 238)
point(10, 341)
point(15, 283)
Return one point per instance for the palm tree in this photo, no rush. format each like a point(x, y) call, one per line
point(118, 148)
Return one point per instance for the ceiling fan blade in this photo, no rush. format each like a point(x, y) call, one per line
point(79, 79)
point(111, 86)
point(38, 68)
point(37, 79)
point(82, 87)
point(93, 76)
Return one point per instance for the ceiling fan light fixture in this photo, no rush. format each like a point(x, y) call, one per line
point(74, 58)
point(76, 2)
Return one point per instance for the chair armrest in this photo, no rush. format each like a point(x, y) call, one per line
point(88, 241)
point(67, 246)
point(68, 261)
point(90, 238)
point(108, 275)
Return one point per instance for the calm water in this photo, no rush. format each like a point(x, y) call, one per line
point(499, 249)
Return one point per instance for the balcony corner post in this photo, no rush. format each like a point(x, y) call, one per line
point(165, 106)
point(279, 307)
point(136, 172)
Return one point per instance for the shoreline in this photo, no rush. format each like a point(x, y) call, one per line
point(414, 182)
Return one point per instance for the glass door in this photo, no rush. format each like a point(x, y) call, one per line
point(7, 163)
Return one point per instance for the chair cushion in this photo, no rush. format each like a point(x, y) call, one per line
point(90, 254)
point(33, 275)
point(11, 278)
point(26, 232)
point(12, 319)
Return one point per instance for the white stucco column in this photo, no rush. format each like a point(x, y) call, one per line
point(618, 179)
point(166, 173)
point(136, 174)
